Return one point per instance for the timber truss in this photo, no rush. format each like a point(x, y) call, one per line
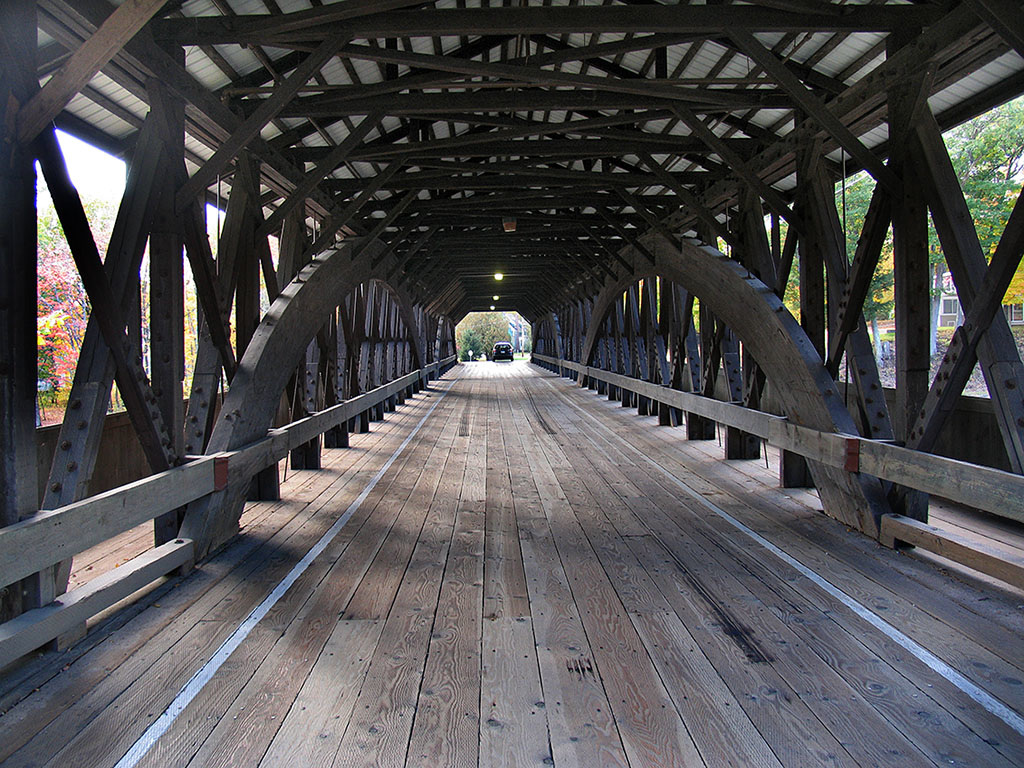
point(616, 163)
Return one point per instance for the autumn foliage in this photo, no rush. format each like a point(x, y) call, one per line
point(63, 307)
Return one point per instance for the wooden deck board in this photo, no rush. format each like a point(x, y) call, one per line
point(527, 584)
point(860, 582)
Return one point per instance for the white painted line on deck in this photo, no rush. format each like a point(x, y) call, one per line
point(979, 694)
point(199, 680)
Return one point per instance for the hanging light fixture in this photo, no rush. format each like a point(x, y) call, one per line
point(498, 276)
point(495, 297)
point(508, 223)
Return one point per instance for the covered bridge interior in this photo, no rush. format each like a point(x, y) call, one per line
point(346, 548)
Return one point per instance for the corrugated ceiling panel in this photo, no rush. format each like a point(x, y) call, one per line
point(334, 72)
point(875, 136)
point(768, 117)
point(115, 93)
point(706, 58)
point(251, 6)
point(847, 52)
point(362, 170)
point(202, 68)
point(634, 61)
point(367, 71)
point(199, 8)
point(242, 60)
point(99, 118)
point(1002, 68)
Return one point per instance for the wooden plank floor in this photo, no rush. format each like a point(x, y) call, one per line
point(540, 577)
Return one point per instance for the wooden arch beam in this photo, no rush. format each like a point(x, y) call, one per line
point(408, 317)
point(547, 323)
point(778, 344)
point(275, 350)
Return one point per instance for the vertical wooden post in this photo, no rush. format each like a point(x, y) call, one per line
point(701, 352)
point(266, 484)
point(18, 483)
point(793, 469)
point(911, 274)
point(812, 265)
point(167, 294)
point(738, 444)
point(336, 437)
point(755, 254)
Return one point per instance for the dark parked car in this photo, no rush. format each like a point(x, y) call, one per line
point(502, 351)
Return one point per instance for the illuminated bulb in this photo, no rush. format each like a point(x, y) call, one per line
point(498, 276)
point(495, 297)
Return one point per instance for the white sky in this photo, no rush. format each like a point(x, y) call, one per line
point(96, 174)
point(100, 176)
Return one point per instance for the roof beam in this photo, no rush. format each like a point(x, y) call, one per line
point(561, 53)
point(526, 128)
point(537, 75)
point(1005, 18)
point(337, 103)
point(816, 108)
point(341, 218)
point(526, 177)
point(324, 167)
point(257, 120)
point(738, 165)
point(94, 54)
point(666, 19)
point(554, 148)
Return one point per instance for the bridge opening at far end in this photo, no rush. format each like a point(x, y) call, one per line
point(493, 335)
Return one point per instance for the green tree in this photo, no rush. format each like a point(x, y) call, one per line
point(479, 331)
point(469, 344)
point(988, 154)
point(852, 202)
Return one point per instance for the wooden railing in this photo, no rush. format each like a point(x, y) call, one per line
point(52, 536)
point(993, 490)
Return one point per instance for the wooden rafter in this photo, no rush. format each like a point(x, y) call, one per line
point(689, 19)
point(255, 122)
point(127, 19)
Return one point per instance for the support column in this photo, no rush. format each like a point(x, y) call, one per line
point(303, 389)
point(911, 276)
point(167, 296)
point(738, 444)
point(18, 484)
point(337, 437)
point(793, 469)
point(703, 351)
